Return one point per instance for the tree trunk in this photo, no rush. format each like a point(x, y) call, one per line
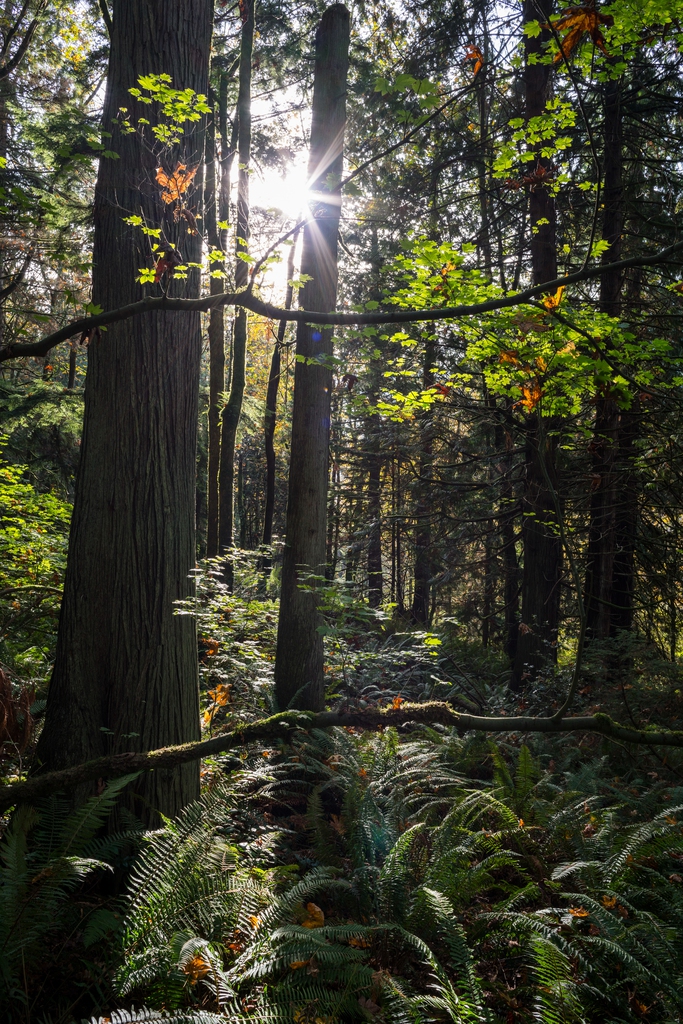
point(299, 661)
point(605, 443)
point(125, 674)
point(537, 640)
point(270, 418)
point(216, 344)
point(373, 434)
point(420, 608)
point(233, 407)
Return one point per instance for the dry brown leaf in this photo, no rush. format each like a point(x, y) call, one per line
point(578, 22)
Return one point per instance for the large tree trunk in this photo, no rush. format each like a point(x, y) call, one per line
point(233, 407)
point(125, 675)
point(537, 640)
point(299, 661)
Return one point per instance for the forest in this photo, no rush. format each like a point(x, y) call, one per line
point(341, 511)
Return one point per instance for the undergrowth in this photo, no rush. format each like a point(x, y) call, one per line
point(398, 877)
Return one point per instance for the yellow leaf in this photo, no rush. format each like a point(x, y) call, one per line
point(316, 917)
point(609, 901)
point(551, 302)
point(578, 912)
point(296, 964)
point(254, 921)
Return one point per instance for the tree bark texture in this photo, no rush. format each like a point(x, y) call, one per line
point(537, 640)
point(233, 407)
point(125, 674)
point(299, 659)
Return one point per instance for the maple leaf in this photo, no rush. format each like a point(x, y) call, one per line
point(578, 912)
point(532, 394)
point(316, 917)
point(541, 175)
point(508, 357)
point(578, 22)
point(551, 302)
point(396, 703)
point(173, 185)
point(473, 53)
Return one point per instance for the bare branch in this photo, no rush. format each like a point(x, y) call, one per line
point(248, 301)
point(281, 726)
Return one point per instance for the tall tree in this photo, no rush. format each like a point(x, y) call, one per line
point(542, 551)
point(269, 420)
point(605, 441)
point(233, 407)
point(125, 674)
point(299, 659)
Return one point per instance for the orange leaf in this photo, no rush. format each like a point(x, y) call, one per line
point(551, 302)
point(580, 21)
point(396, 703)
point(254, 921)
point(196, 968)
point(473, 53)
point(578, 912)
point(360, 943)
point(316, 917)
point(296, 964)
point(531, 395)
point(609, 901)
point(173, 185)
point(508, 357)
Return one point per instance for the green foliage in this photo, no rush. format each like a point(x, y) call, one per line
point(33, 541)
point(46, 855)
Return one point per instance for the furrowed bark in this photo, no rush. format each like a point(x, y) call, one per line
point(299, 659)
point(125, 673)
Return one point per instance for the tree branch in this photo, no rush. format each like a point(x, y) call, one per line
point(244, 298)
point(281, 726)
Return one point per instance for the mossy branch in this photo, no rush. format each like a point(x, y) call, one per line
point(280, 726)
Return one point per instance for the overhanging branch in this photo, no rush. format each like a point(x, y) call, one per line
point(256, 305)
point(281, 726)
